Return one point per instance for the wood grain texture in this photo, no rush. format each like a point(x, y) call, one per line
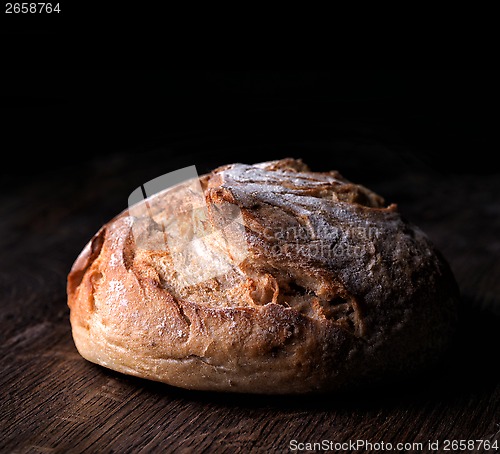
point(53, 401)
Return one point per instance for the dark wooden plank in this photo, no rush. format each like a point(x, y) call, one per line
point(53, 401)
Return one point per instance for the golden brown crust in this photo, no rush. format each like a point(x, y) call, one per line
point(335, 289)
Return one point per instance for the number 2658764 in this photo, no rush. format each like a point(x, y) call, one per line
point(32, 8)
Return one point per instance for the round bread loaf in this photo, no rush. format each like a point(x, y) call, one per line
point(269, 279)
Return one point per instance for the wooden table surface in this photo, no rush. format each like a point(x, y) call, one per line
point(53, 401)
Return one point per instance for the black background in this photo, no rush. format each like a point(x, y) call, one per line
point(56, 121)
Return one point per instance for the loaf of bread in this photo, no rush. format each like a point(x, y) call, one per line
point(270, 279)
